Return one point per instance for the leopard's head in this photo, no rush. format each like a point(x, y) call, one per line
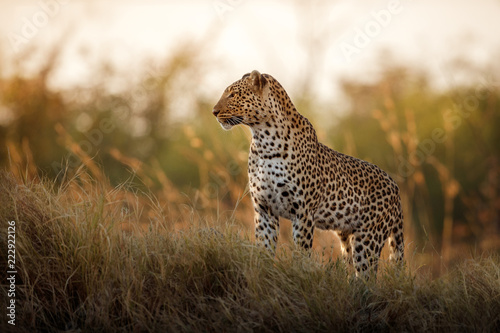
point(243, 102)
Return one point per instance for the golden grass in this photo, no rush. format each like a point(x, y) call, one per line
point(79, 270)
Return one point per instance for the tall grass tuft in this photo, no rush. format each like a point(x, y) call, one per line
point(80, 270)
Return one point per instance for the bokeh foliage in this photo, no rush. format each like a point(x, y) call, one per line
point(157, 132)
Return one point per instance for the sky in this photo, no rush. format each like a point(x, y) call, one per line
point(320, 40)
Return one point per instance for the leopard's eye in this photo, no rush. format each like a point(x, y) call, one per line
point(231, 95)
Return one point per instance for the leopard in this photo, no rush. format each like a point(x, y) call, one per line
point(294, 176)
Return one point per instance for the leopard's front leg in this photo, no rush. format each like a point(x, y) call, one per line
point(303, 230)
point(266, 228)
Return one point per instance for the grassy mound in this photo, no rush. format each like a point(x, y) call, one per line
point(79, 269)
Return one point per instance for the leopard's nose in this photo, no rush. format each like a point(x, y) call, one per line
point(215, 112)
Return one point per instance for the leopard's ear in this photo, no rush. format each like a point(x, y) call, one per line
point(258, 81)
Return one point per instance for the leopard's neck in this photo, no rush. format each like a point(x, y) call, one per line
point(278, 135)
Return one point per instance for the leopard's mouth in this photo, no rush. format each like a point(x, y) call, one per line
point(228, 122)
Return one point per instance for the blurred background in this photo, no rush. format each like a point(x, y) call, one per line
point(125, 89)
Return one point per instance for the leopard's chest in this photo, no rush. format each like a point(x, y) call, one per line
point(272, 183)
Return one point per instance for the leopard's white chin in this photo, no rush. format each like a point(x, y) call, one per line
point(226, 126)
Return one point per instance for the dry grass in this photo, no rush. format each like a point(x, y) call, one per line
point(79, 270)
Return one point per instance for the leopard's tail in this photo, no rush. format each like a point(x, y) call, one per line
point(396, 239)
